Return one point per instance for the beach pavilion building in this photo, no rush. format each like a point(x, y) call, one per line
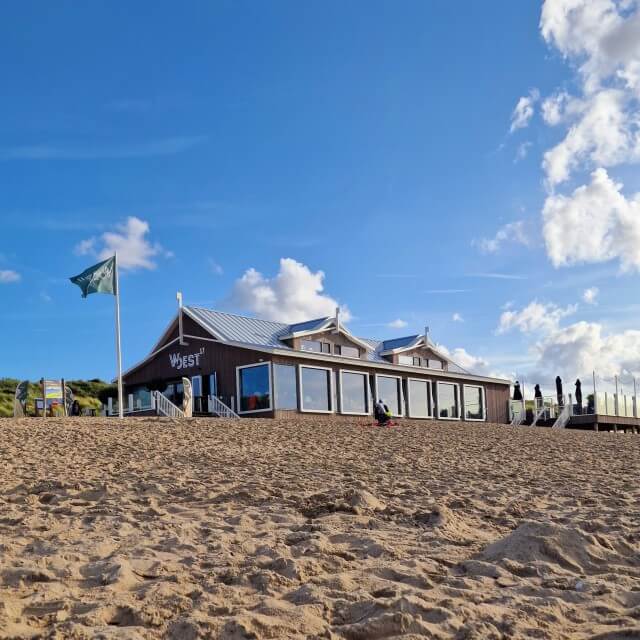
point(261, 368)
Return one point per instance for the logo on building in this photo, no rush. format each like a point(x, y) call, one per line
point(179, 361)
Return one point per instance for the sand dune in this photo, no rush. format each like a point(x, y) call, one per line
point(315, 529)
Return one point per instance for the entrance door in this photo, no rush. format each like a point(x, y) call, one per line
point(196, 386)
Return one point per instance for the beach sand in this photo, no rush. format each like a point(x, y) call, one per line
point(316, 529)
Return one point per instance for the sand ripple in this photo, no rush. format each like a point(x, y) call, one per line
point(318, 529)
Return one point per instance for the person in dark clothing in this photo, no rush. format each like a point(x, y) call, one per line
point(579, 395)
point(517, 393)
point(75, 408)
point(382, 413)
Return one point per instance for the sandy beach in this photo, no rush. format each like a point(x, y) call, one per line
point(316, 529)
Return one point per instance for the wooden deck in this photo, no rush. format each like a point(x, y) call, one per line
point(600, 422)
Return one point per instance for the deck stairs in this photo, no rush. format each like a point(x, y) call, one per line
point(538, 414)
point(220, 409)
point(165, 407)
point(563, 419)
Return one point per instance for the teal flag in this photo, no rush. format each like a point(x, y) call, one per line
point(101, 278)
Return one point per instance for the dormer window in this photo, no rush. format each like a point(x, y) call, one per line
point(346, 351)
point(316, 346)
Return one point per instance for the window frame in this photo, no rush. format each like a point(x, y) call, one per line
point(301, 390)
point(457, 388)
point(430, 402)
point(239, 388)
point(367, 393)
point(484, 403)
point(400, 396)
point(275, 385)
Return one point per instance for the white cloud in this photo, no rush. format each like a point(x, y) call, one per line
point(603, 135)
point(475, 364)
point(216, 268)
point(602, 38)
point(575, 350)
point(130, 242)
point(596, 223)
point(397, 324)
point(589, 295)
point(456, 317)
point(511, 233)
point(7, 276)
point(535, 317)
point(522, 151)
point(523, 111)
point(293, 295)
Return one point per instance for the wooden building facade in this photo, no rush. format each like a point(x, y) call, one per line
point(262, 369)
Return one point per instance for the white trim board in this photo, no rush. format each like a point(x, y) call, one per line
point(238, 388)
point(367, 400)
point(301, 390)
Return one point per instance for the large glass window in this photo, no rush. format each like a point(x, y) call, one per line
point(473, 403)
point(389, 391)
point(254, 388)
point(354, 392)
point(448, 400)
point(315, 389)
point(408, 360)
point(419, 398)
point(435, 364)
point(285, 391)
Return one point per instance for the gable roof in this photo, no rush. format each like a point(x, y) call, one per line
point(269, 335)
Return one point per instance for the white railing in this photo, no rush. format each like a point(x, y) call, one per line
point(517, 411)
point(166, 407)
point(217, 407)
point(540, 409)
point(563, 419)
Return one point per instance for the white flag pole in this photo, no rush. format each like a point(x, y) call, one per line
point(118, 348)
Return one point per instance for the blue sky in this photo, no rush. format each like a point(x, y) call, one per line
point(381, 143)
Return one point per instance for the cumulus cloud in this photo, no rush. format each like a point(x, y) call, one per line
point(397, 324)
point(589, 295)
point(522, 151)
point(474, 364)
point(7, 276)
point(535, 317)
point(602, 38)
point(596, 223)
point(523, 110)
point(130, 241)
point(574, 350)
point(456, 317)
point(511, 233)
point(294, 294)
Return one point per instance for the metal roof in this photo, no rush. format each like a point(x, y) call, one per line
point(308, 325)
point(267, 333)
point(399, 343)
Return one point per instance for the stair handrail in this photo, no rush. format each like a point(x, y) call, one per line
point(217, 406)
point(517, 417)
point(166, 407)
point(563, 419)
point(540, 409)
